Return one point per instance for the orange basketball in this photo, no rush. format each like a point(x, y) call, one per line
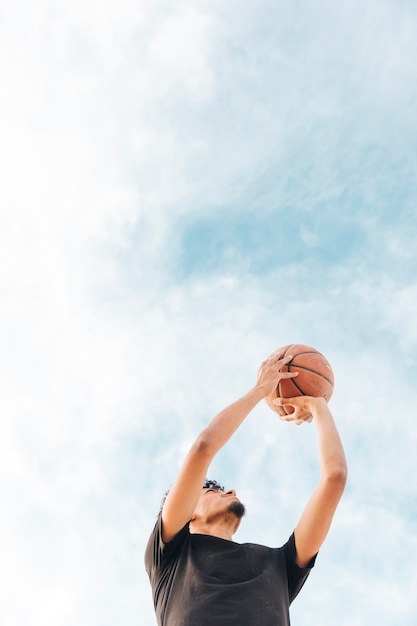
point(315, 376)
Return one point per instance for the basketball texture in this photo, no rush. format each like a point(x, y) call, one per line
point(315, 376)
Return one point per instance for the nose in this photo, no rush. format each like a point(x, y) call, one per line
point(231, 492)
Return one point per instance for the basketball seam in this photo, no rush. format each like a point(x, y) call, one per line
point(307, 352)
point(297, 386)
point(286, 351)
point(307, 369)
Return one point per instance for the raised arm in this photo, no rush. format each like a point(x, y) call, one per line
point(316, 518)
point(183, 496)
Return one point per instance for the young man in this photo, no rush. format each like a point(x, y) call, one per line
point(199, 575)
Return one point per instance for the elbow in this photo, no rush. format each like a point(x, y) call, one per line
point(336, 476)
point(203, 447)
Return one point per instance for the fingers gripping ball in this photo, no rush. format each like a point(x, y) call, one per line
point(315, 376)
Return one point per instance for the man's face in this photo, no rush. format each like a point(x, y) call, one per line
point(214, 503)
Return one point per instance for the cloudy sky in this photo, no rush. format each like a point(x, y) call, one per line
point(184, 188)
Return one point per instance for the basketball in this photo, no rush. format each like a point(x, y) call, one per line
point(315, 376)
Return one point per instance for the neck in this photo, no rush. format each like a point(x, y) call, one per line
point(221, 529)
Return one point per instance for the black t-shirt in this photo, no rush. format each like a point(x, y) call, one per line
point(200, 580)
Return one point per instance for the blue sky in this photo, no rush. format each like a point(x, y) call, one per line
point(184, 189)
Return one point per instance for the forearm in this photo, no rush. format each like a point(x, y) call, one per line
point(315, 521)
point(331, 454)
point(224, 425)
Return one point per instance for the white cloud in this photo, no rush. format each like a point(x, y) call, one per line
point(121, 124)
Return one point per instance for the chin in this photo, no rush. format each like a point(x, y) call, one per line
point(237, 508)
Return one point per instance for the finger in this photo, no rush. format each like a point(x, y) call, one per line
point(306, 419)
point(268, 359)
point(283, 361)
point(290, 416)
point(288, 374)
point(276, 359)
point(284, 402)
point(286, 418)
point(273, 355)
point(296, 417)
point(279, 402)
point(294, 401)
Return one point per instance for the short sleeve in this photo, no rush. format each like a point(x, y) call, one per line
point(296, 575)
point(157, 551)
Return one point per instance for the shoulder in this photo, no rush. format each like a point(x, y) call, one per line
point(156, 549)
point(290, 549)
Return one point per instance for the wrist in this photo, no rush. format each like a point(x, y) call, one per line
point(320, 408)
point(260, 391)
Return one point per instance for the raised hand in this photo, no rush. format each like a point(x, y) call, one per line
point(304, 408)
point(269, 373)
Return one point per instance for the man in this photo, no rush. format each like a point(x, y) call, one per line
point(199, 575)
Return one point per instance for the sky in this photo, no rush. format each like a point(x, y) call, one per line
point(186, 187)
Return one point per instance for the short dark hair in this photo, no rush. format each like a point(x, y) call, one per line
point(208, 484)
point(212, 484)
